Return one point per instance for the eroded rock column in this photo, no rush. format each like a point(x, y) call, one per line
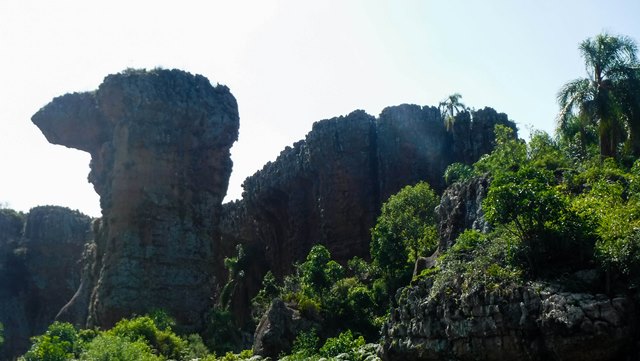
point(159, 144)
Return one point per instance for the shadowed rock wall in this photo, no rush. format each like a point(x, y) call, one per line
point(159, 144)
point(329, 187)
point(39, 269)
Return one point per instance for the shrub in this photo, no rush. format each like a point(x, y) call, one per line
point(306, 344)
point(109, 347)
point(345, 343)
point(261, 302)
point(165, 342)
point(221, 334)
point(59, 342)
point(318, 272)
point(475, 263)
point(457, 172)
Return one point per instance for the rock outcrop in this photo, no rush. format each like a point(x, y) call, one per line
point(278, 328)
point(39, 269)
point(329, 187)
point(159, 143)
point(535, 322)
point(460, 209)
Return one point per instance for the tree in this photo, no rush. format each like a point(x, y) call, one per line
point(450, 107)
point(527, 200)
point(405, 230)
point(603, 97)
point(319, 272)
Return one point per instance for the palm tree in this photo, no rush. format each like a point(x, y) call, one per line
point(450, 107)
point(602, 99)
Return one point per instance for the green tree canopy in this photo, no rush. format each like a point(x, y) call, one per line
point(405, 230)
point(608, 97)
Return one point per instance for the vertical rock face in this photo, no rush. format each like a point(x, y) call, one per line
point(329, 187)
point(159, 144)
point(460, 209)
point(39, 269)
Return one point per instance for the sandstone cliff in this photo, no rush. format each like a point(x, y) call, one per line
point(329, 187)
point(39, 269)
point(159, 143)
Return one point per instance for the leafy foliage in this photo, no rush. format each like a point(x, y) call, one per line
point(475, 263)
point(457, 172)
point(345, 343)
point(406, 229)
point(109, 347)
point(306, 344)
point(612, 201)
point(165, 342)
point(608, 97)
point(59, 342)
point(221, 334)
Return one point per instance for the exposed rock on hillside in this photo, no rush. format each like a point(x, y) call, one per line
point(159, 144)
point(39, 269)
point(278, 328)
point(535, 322)
point(329, 187)
point(460, 208)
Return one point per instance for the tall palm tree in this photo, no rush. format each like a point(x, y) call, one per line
point(450, 107)
point(602, 98)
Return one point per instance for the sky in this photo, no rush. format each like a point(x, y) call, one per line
point(289, 63)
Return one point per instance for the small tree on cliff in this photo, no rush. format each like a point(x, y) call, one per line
point(450, 107)
point(405, 230)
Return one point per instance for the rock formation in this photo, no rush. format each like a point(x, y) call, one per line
point(536, 322)
point(460, 209)
point(329, 187)
point(39, 269)
point(278, 328)
point(159, 144)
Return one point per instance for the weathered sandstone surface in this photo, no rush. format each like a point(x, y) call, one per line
point(159, 143)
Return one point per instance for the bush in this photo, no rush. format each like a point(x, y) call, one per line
point(457, 172)
point(318, 272)
point(165, 342)
point(306, 344)
point(612, 203)
point(528, 199)
point(477, 262)
point(109, 347)
point(261, 302)
point(221, 334)
point(59, 342)
point(345, 343)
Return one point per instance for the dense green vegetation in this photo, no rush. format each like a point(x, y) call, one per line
point(555, 206)
point(149, 338)
point(609, 98)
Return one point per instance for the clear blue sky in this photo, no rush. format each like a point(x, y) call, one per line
point(289, 63)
